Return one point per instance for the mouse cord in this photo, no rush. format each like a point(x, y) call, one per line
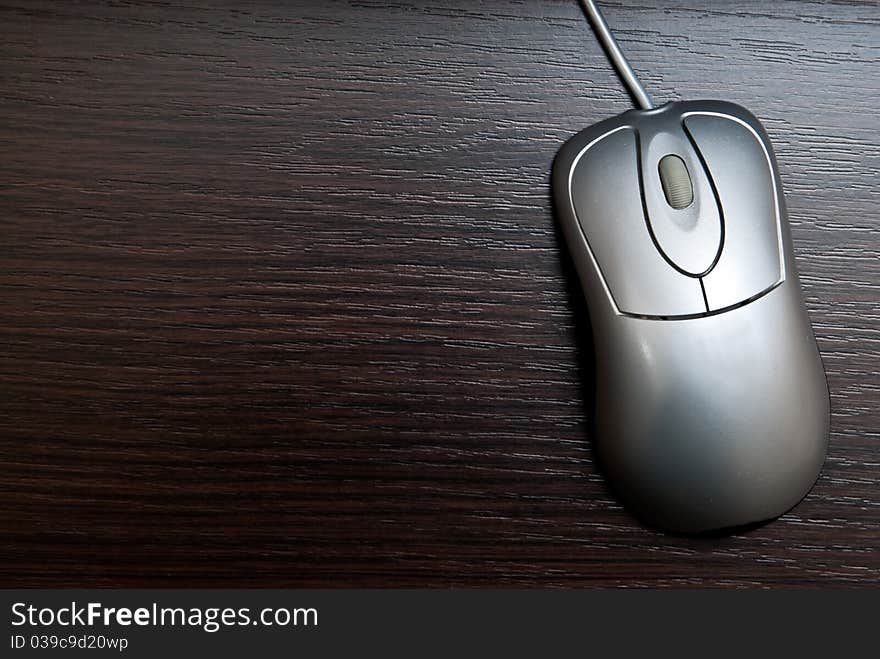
point(618, 60)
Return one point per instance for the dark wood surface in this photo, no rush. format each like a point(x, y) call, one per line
point(283, 302)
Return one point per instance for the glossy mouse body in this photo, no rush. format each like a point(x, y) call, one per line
point(712, 407)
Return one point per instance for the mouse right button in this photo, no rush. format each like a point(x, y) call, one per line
point(739, 164)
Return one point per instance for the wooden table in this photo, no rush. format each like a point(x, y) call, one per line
point(284, 302)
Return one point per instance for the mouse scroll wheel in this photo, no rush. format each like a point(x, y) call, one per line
point(676, 181)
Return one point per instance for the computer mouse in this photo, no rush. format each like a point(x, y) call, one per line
point(712, 408)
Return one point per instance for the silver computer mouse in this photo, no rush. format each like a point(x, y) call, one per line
point(712, 407)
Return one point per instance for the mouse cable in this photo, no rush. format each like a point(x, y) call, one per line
point(618, 60)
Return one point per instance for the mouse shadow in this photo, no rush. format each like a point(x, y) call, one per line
point(586, 368)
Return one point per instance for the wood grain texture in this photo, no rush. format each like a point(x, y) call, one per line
point(283, 302)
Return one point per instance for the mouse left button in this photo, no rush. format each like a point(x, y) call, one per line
point(606, 198)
